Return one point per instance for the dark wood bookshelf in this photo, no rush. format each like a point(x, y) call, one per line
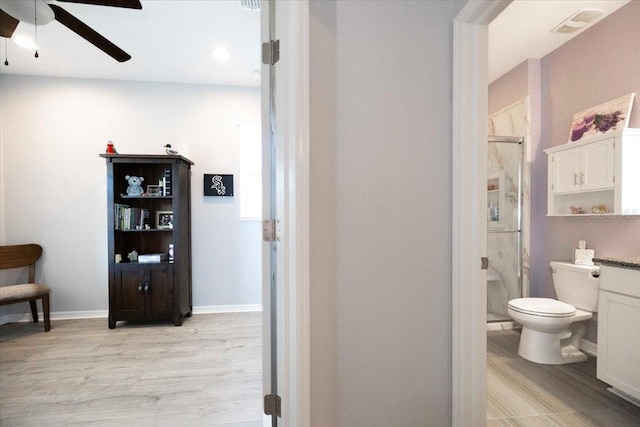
point(159, 290)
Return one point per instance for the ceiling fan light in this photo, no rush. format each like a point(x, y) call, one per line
point(24, 41)
point(221, 54)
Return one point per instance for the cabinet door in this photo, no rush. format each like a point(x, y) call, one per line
point(597, 165)
point(129, 296)
point(159, 290)
point(619, 342)
point(566, 171)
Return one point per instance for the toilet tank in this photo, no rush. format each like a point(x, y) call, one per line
point(576, 284)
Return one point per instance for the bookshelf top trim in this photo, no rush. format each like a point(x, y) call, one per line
point(127, 158)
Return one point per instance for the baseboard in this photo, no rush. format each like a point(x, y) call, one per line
point(103, 314)
point(240, 308)
point(589, 348)
point(624, 395)
point(501, 326)
point(59, 315)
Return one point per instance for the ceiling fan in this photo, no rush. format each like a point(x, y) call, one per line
point(41, 12)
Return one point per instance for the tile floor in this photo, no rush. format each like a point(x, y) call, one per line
point(522, 393)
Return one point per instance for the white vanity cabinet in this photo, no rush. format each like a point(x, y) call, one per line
point(600, 170)
point(618, 361)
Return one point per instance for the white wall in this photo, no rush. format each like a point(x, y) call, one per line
point(55, 184)
point(323, 214)
point(381, 229)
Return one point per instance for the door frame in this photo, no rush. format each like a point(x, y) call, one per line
point(292, 118)
point(469, 170)
point(469, 226)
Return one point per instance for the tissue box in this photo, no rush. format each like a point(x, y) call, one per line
point(583, 256)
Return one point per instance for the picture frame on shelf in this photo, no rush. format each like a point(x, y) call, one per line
point(164, 220)
point(154, 190)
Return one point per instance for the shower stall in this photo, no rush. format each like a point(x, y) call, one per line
point(504, 224)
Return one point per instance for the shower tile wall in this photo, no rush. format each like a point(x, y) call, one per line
point(503, 247)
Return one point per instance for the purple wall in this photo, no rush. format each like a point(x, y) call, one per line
point(509, 88)
point(599, 65)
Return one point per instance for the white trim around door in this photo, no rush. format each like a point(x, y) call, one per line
point(469, 228)
point(292, 99)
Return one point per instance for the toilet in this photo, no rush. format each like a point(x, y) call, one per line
point(552, 329)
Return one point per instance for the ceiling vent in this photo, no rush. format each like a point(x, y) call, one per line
point(250, 4)
point(577, 21)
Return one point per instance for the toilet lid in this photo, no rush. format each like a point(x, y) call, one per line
point(542, 307)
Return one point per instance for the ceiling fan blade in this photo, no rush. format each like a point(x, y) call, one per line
point(8, 24)
point(129, 4)
point(89, 34)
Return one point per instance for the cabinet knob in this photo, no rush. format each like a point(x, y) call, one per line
point(582, 178)
point(146, 288)
point(140, 287)
point(575, 179)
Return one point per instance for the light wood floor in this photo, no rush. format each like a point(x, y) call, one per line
point(522, 393)
point(207, 372)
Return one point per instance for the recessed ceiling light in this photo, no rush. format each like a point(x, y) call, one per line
point(578, 21)
point(221, 54)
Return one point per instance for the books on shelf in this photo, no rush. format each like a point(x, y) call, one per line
point(166, 182)
point(128, 218)
point(151, 258)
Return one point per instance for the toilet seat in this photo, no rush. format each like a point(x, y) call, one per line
point(543, 307)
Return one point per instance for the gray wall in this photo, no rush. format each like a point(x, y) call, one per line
point(381, 202)
point(54, 183)
point(596, 66)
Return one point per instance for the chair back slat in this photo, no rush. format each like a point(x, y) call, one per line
point(17, 256)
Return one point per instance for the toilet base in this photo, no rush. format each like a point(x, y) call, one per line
point(552, 349)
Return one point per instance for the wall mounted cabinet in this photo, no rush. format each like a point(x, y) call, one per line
point(586, 168)
point(599, 171)
point(156, 224)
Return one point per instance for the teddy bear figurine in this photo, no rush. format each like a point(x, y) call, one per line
point(135, 185)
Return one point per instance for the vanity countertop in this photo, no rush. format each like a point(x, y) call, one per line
point(632, 262)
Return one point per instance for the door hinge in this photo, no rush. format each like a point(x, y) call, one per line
point(271, 52)
point(484, 263)
point(271, 230)
point(272, 405)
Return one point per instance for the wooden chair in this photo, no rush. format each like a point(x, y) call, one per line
point(18, 256)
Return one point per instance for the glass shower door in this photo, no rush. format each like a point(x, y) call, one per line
point(504, 212)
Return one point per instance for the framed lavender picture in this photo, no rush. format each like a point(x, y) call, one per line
point(603, 118)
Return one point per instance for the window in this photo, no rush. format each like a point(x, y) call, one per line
point(250, 139)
